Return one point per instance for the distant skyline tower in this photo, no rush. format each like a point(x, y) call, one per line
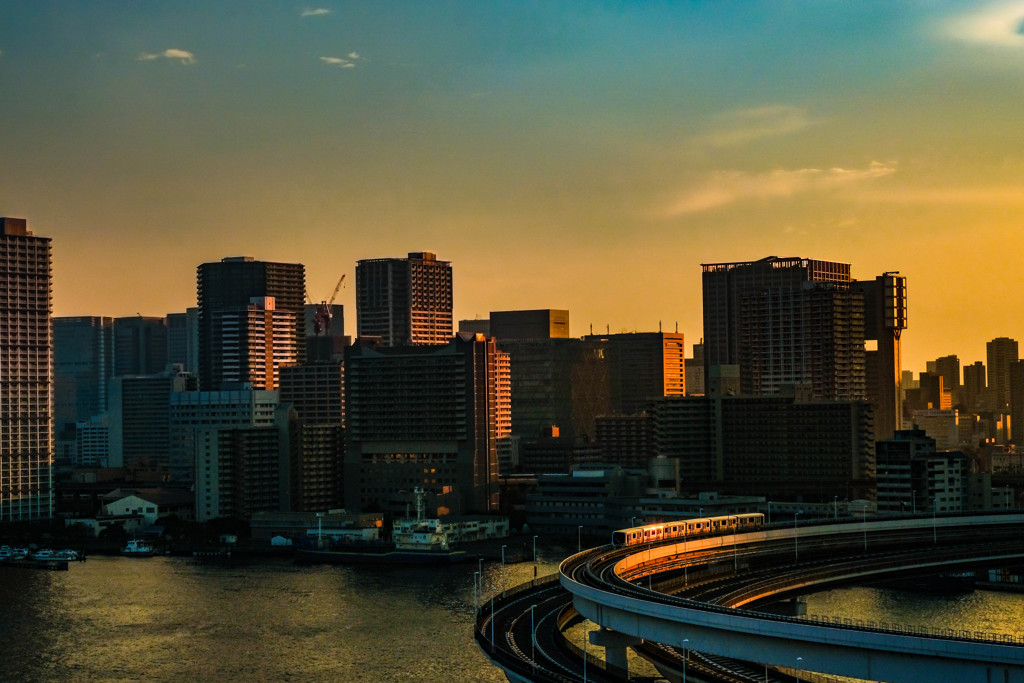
point(1001, 352)
point(405, 300)
point(229, 285)
point(26, 389)
point(885, 318)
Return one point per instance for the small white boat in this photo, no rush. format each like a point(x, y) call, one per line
point(136, 547)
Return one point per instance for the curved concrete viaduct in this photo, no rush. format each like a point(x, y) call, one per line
point(829, 556)
point(702, 595)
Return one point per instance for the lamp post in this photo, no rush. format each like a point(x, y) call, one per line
point(585, 639)
point(864, 513)
point(533, 640)
point(686, 655)
point(735, 560)
point(769, 512)
point(835, 501)
point(579, 539)
point(796, 536)
point(535, 550)
point(492, 622)
point(798, 660)
point(476, 591)
point(503, 555)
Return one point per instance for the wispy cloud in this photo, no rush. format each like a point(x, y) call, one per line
point(315, 12)
point(948, 196)
point(346, 62)
point(174, 54)
point(744, 125)
point(997, 23)
point(727, 187)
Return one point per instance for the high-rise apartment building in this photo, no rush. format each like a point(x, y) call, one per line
point(26, 384)
point(786, 321)
point(1000, 354)
point(422, 416)
point(316, 391)
point(405, 301)
point(226, 289)
point(796, 321)
point(256, 342)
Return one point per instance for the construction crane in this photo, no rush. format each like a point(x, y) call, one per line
point(322, 317)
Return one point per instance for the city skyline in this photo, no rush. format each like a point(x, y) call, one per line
point(606, 151)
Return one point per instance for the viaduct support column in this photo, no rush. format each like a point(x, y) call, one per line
point(614, 645)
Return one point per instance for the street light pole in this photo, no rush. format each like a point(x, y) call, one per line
point(533, 640)
point(579, 539)
point(585, 639)
point(503, 555)
point(535, 550)
point(476, 592)
point(735, 560)
point(796, 536)
point(686, 655)
point(864, 512)
point(835, 501)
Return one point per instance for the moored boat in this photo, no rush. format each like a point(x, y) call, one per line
point(417, 540)
point(137, 547)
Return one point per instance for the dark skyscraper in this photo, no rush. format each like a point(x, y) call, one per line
point(26, 389)
point(428, 417)
point(885, 318)
point(83, 362)
point(1001, 353)
point(405, 300)
point(225, 291)
point(140, 346)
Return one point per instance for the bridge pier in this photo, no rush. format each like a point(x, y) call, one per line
point(614, 644)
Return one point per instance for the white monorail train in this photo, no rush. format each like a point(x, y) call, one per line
point(687, 528)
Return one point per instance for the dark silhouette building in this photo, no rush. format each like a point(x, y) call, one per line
point(422, 416)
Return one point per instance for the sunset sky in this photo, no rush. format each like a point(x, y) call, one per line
point(579, 155)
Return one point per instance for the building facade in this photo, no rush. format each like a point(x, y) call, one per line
point(405, 301)
point(422, 416)
point(26, 386)
point(83, 362)
point(642, 366)
point(547, 323)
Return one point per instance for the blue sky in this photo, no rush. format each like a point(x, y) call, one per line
point(579, 155)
